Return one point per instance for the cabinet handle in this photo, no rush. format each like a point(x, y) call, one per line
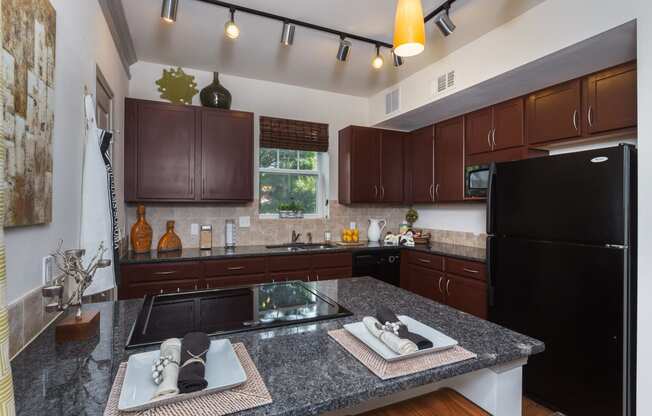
point(164, 273)
point(575, 120)
point(448, 283)
point(317, 276)
point(437, 191)
point(589, 116)
point(382, 192)
point(439, 285)
point(234, 268)
point(470, 270)
point(195, 287)
point(431, 192)
point(376, 191)
point(161, 291)
point(489, 139)
point(493, 139)
point(424, 261)
point(178, 290)
point(308, 276)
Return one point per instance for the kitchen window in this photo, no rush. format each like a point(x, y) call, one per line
point(287, 176)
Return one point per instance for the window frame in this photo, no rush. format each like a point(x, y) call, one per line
point(319, 173)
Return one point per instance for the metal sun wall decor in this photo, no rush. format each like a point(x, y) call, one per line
point(177, 87)
point(27, 58)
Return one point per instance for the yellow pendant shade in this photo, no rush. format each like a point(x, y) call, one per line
point(409, 28)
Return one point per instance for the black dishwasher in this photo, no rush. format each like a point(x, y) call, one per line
point(381, 264)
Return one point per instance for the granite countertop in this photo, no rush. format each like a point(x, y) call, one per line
point(190, 254)
point(306, 372)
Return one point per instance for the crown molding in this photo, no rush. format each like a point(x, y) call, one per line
point(114, 14)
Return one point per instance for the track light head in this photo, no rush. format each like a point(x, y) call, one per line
point(398, 61)
point(444, 22)
point(169, 11)
point(231, 30)
point(344, 49)
point(287, 36)
point(378, 60)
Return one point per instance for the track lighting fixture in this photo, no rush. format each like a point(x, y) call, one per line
point(444, 22)
point(378, 60)
point(398, 61)
point(231, 30)
point(409, 28)
point(169, 11)
point(344, 49)
point(287, 36)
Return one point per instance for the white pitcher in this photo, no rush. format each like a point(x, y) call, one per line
point(375, 230)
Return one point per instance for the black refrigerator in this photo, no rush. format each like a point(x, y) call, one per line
point(562, 267)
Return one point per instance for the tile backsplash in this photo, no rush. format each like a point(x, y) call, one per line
point(275, 231)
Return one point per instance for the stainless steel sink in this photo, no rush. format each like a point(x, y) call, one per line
point(303, 246)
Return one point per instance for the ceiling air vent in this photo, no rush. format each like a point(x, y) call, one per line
point(392, 100)
point(445, 82)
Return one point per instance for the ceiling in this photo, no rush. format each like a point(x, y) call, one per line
point(196, 40)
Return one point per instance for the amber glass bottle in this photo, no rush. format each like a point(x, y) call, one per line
point(141, 233)
point(170, 240)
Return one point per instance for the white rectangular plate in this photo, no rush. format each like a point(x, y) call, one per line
point(223, 371)
point(439, 341)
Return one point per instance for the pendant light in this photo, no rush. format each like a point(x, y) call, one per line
point(231, 30)
point(287, 36)
point(378, 60)
point(409, 28)
point(169, 11)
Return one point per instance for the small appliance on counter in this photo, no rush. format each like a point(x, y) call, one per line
point(206, 237)
point(229, 234)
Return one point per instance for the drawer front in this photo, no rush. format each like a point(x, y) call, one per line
point(324, 261)
point(430, 261)
point(471, 269)
point(160, 272)
point(289, 263)
point(138, 290)
point(303, 275)
point(332, 273)
point(235, 267)
point(226, 281)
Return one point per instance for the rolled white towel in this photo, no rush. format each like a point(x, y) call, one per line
point(170, 348)
point(400, 346)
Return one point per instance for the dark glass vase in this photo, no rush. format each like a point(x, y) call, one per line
point(215, 95)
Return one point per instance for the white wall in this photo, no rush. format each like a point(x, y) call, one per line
point(83, 40)
point(269, 99)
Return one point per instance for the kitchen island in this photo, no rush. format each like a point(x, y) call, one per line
point(306, 372)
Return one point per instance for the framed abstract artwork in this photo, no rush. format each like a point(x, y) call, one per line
point(27, 48)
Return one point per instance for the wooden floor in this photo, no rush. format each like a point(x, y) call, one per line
point(531, 408)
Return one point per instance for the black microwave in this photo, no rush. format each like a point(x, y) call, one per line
point(476, 181)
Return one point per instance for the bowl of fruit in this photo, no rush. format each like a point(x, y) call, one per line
point(350, 236)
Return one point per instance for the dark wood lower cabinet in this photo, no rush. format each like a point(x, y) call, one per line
point(468, 295)
point(226, 281)
point(332, 273)
point(425, 282)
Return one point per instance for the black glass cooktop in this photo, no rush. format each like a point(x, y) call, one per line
point(224, 311)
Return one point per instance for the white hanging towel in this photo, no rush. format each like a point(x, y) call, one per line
point(97, 216)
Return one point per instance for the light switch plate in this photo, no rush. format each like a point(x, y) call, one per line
point(244, 222)
point(194, 229)
point(47, 264)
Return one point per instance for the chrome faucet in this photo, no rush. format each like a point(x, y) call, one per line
point(295, 237)
point(309, 238)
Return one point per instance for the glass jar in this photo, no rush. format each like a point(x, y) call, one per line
point(230, 234)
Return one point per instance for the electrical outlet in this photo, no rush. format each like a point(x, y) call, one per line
point(47, 265)
point(244, 222)
point(194, 229)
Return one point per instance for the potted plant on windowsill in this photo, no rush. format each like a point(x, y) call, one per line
point(290, 210)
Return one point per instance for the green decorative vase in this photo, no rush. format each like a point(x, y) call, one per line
point(215, 95)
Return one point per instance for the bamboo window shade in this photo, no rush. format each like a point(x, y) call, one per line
point(280, 133)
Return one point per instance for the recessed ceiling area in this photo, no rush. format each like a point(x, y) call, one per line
point(197, 39)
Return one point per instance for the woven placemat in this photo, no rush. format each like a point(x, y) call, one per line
point(386, 370)
point(253, 393)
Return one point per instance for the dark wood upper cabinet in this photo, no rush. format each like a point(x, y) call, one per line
point(479, 126)
point(370, 165)
point(226, 155)
point(611, 99)
point(177, 153)
point(160, 142)
point(554, 114)
point(449, 160)
point(421, 167)
point(508, 124)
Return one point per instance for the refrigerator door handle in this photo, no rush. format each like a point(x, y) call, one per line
point(490, 198)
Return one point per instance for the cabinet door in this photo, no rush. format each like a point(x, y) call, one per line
point(468, 295)
point(303, 275)
point(391, 166)
point(365, 165)
point(478, 131)
point(612, 99)
point(426, 282)
point(140, 289)
point(554, 114)
point(509, 123)
point(332, 273)
point(165, 152)
point(219, 282)
point(449, 160)
point(421, 164)
point(227, 153)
